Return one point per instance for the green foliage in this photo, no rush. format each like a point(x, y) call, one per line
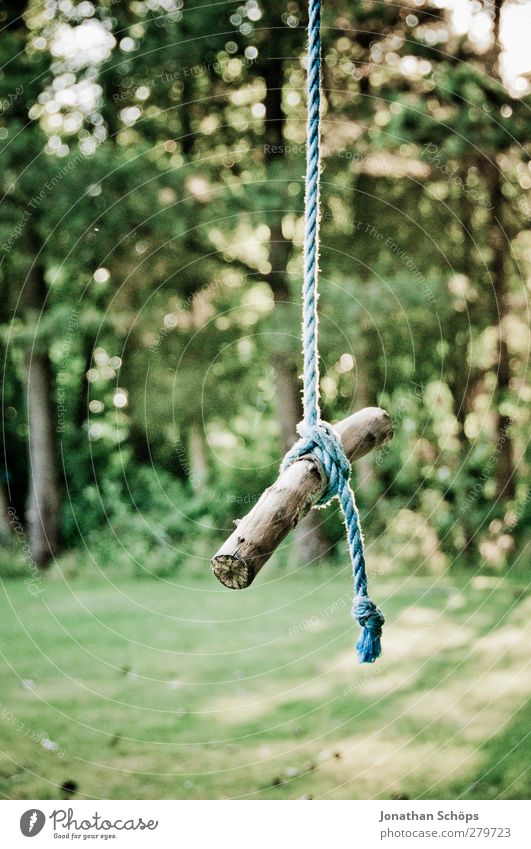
point(138, 238)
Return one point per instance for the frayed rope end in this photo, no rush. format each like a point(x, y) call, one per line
point(368, 647)
point(371, 620)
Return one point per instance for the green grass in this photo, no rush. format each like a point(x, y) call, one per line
point(183, 689)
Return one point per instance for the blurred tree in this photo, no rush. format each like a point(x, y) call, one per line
point(23, 273)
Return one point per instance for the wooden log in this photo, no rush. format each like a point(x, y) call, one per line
point(282, 506)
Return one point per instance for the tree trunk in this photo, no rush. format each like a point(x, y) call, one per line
point(43, 505)
point(309, 537)
point(42, 513)
point(287, 403)
point(462, 380)
point(5, 527)
point(43, 497)
point(197, 457)
point(365, 474)
point(505, 472)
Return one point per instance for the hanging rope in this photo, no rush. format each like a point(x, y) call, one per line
point(317, 437)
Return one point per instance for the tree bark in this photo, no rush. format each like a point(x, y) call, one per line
point(43, 492)
point(43, 505)
point(197, 457)
point(5, 527)
point(365, 468)
point(461, 380)
point(505, 472)
point(42, 513)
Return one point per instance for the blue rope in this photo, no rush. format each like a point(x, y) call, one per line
point(318, 438)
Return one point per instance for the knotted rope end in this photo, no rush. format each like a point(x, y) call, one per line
point(371, 620)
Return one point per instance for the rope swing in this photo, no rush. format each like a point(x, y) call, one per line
point(318, 438)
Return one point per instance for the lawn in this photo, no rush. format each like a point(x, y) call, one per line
point(181, 689)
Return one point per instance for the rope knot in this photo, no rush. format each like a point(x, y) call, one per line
point(322, 442)
point(371, 620)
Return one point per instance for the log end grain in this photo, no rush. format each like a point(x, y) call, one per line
point(232, 571)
